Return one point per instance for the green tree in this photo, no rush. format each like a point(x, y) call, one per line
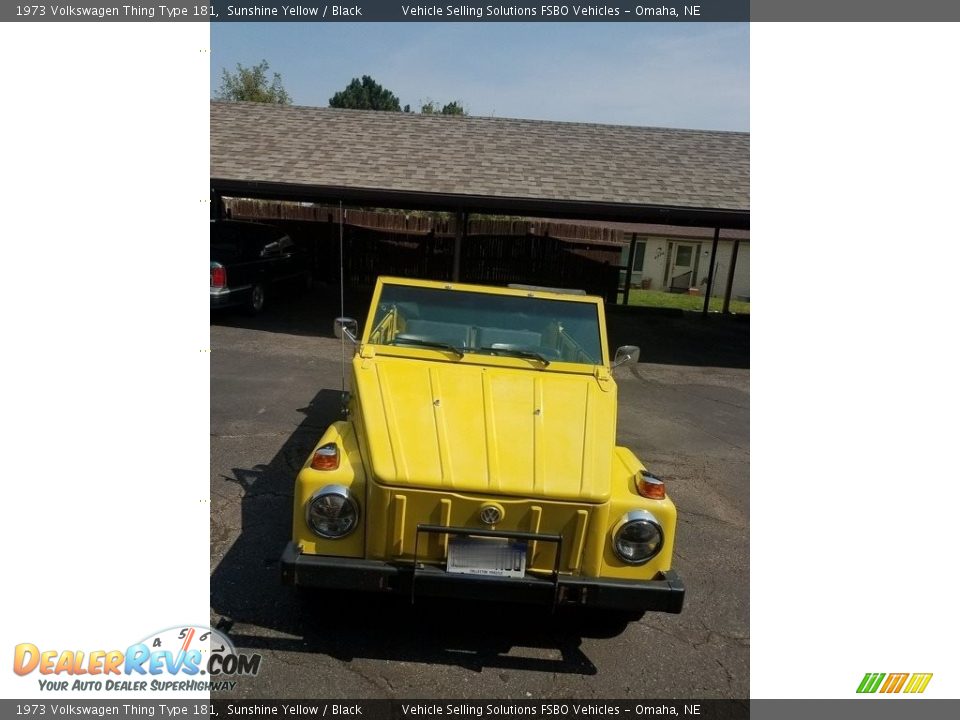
point(365, 94)
point(451, 108)
point(251, 84)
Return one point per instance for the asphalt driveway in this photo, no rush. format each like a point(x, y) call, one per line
point(275, 384)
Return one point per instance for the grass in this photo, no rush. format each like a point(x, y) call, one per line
point(656, 298)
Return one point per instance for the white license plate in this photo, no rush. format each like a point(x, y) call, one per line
point(491, 557)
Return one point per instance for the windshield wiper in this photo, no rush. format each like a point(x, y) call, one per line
point(420, 342)
point(512, 352)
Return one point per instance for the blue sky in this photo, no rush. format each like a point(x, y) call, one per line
point(691, 75)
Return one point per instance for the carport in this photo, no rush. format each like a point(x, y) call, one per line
point(495, 166)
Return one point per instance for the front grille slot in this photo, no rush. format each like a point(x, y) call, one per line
point(398, 512)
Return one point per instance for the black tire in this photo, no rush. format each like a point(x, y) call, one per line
point(257, 299)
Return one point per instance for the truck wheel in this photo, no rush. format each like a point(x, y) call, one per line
point(257, 297)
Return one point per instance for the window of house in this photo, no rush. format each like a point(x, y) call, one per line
point(638, 257)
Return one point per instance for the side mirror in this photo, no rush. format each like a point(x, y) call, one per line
point(625, 354)
point(345, 327)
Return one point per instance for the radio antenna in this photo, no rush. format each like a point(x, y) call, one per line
point(343, 314)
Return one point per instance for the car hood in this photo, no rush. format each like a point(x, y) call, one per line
point(481, 429)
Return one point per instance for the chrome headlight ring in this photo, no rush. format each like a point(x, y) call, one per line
point(332, 512)
point(638, 537)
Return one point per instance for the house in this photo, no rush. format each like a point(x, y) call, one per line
point(676, 259)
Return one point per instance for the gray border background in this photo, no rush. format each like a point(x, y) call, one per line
point(390, 11)
point(854, 10)
point(874, 708)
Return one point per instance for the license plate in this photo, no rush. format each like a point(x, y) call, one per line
point(490, 557)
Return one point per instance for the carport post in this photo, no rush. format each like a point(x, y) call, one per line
point(628, 278)
point(216, 205)
point(458, 243)
point(730, 272)
point(713, 269)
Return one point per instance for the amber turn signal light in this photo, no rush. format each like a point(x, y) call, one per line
point(650, 486)
point(326, 457)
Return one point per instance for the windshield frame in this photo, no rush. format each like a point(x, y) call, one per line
point(504, 360)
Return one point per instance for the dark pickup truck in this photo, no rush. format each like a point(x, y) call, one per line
point(249, 261)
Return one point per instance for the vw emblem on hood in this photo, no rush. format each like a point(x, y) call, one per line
point(490, 514)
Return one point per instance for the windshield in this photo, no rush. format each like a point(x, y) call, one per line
point(537, 329)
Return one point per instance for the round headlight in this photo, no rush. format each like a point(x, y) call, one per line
point(638, 537)
point(332, 512)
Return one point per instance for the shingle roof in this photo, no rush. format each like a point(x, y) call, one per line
point(480, 156)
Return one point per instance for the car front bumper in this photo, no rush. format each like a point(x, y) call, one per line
point(663, 594)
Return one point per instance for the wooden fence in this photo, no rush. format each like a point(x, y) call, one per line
point(494, 251)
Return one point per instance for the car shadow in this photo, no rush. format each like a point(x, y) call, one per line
point(245, 590)
point(681, 338)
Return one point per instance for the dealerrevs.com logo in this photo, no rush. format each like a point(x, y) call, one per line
point(894, 683)
point(181, 659)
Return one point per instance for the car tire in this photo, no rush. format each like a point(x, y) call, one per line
point(257, 299)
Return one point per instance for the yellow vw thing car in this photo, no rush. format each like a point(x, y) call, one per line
point(478, 459)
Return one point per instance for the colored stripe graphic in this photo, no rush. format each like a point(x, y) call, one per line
point(870, 682)
point(918, 683)
point(895, 682)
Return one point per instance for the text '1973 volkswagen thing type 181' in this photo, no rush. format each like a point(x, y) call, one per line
point(478, 459)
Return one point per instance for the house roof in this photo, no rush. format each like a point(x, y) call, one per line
point(610, 172)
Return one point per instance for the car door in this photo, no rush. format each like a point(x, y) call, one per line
point(256, 264)
point(284, 257)
point(227, 249)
